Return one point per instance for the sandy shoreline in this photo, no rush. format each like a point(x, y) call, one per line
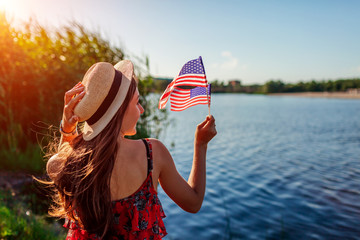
point(320, 95)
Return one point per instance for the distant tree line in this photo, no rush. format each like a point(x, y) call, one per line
point(278, 86)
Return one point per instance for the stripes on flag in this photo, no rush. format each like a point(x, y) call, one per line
point(181, 99)
point(165, 96)
point(191, 80)
point(191, 74)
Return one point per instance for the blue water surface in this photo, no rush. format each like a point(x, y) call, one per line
point(279, 168)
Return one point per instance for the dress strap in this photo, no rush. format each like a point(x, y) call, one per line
point(148, 154)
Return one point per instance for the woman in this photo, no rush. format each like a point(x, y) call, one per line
point(106, 184)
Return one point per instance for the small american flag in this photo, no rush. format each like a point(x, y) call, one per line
point(191, 74)
point(181, 99)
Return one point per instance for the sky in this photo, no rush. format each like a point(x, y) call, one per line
point(253, 41)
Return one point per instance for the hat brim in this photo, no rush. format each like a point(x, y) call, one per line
point(126, 67)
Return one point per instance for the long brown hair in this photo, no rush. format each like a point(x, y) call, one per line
point(82, 184)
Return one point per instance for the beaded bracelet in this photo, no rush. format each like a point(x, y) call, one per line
point(67, 134)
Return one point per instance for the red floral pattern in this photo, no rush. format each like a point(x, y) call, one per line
point(138, 216)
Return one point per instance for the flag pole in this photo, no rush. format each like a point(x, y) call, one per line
point(207, 95)
point(207, 85)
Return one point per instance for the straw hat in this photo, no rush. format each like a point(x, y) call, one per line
point(106, 87)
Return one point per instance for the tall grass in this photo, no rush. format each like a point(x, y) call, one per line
point(14, 158)
point(37, 66)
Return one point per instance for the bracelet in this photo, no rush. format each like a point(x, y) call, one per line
point(67, 134)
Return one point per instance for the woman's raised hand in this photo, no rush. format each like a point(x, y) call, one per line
point(71, 99)
point(205, 131)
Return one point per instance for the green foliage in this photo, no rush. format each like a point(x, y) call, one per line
point(311, 86)
point(153, 120)
point(278, 86)
point(16, 158)
point(273, 86)
point(17, 221)
point(234, 87)
point(27, 160)
point(37, 66)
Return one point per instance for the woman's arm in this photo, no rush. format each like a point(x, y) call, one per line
point(189, 195)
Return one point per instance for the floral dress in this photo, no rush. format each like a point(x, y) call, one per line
point(138, 216)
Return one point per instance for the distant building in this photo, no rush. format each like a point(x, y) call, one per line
point(353, 90)
point(235, 83)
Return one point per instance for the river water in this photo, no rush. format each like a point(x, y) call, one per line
point(279, 168)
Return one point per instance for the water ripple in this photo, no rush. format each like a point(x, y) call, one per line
point(279, 168)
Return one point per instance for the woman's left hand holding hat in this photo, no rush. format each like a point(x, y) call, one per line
point(71, 99)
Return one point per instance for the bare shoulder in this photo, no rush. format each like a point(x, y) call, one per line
point(158, 146)
point(160, 153)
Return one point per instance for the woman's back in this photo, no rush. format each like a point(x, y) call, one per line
point(136, 216)
point(130, 169)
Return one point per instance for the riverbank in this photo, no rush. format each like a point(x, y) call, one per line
point(347, 95)
point(23, 209)
point(14, 180)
